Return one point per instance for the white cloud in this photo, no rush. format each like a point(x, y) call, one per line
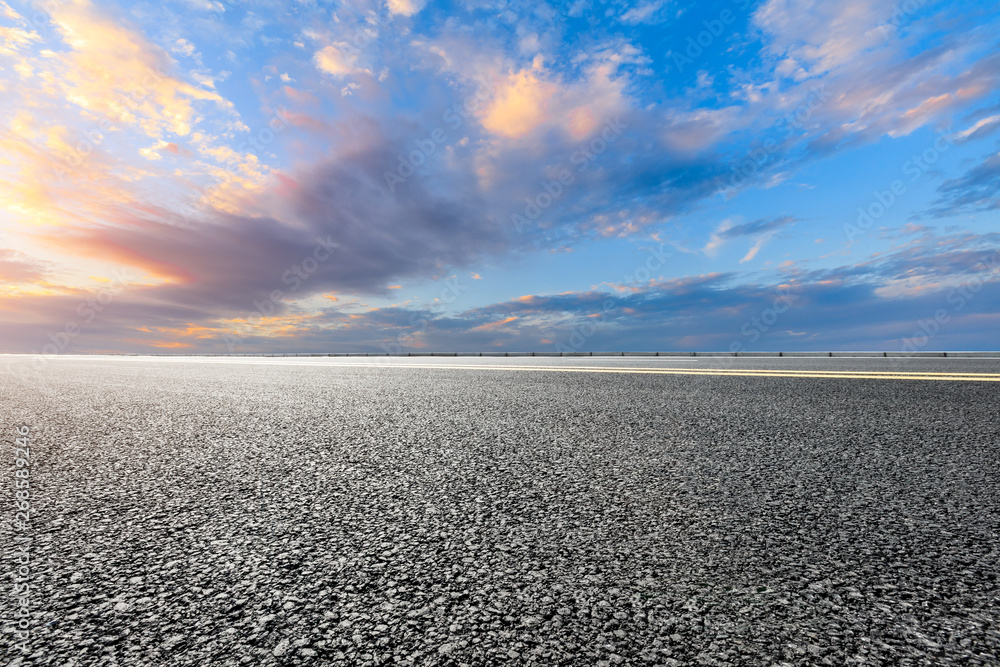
point(717, 238)
point(647, 12)
point(336, 61)
point(756, 248)
point(985, 125)
point(183, 47)
point(207, 5)
point(405, 7)
point(818, 35)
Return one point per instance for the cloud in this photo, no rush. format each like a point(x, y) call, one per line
point(700, 129)
point(184, 47)
point(92, 112)
point(871, 305)
point(16, 267)
point(116, 73)
point(223, 261)
point(300, 96)
point(650, 11)
point(13, 40)
point(490, 326)
point(844, 308)
point(977, 190)
point(978, 130)
point(207, 5)
point(338, 61)
point(522, 104)
point(758, 226)
point(553, 91)
point(530, 100)
point(405, 7)
point(717, 239)
point(868, 80)
point(819, 36)
point(8, 11)
point(755, 249)
point(765, 227)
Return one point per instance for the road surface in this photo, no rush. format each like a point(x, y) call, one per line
point(474, 511)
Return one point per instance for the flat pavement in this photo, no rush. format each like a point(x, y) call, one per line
point(481, 511)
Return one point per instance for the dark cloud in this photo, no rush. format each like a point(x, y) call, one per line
point(224, 262)
point(977, 190)
point(876, 304)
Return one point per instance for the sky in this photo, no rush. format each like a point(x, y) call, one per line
point(403, 176)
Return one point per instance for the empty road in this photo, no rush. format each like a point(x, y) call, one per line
point(480, 511)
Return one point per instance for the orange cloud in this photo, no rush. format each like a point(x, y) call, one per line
point(13, 40)
point(530, 99)
point(493, 325)
point(115, 73)
point(173, 148)
point(170, 344)
point(106, 80)
point(112, 248)
point(338, 61)
point(405, 7)
point(520, 106)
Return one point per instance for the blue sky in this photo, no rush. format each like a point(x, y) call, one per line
point(401, 175)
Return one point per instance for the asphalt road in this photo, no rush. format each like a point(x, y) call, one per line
point(467, 512)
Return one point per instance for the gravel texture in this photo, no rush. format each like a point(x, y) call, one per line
point(267, 513)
